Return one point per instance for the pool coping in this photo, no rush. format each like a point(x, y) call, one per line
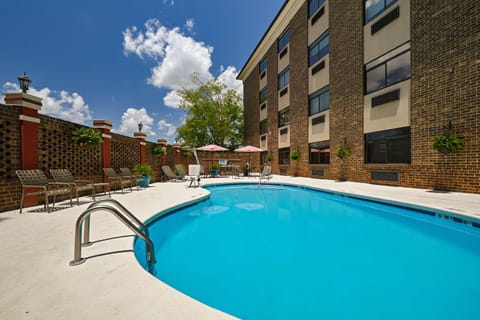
point(37, 282)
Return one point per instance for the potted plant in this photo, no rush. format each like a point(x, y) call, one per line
point(160, 151)
point(294, 155)
point(269, 158)
point(87, 136)
point(214, 169)
point(146, 171)
point(448, 142)
point(342, 152)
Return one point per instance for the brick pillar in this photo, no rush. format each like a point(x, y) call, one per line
point(163, 143)
point(176, 147)
point(141, 136)
point(29, 120)
point(105, 128)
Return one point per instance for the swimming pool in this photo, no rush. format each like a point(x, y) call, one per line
point(281, 252)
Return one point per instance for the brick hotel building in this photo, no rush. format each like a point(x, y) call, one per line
point(381, 78)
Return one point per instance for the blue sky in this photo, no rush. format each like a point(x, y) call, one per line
point(123, 60)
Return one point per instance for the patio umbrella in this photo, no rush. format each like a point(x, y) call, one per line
point(248, 149)
point(212, 147)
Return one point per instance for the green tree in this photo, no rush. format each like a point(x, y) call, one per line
point(214, 114)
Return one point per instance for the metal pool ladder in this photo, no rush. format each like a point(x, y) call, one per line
point(119, 211)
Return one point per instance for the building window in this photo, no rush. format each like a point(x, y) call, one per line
point(318, 49)
point(284, 78)
point(390, 146)
point(283, 41)
point(313, 6)
point(283, 117)
point(262, 66)
point(284, 156)
point(263, 95)
point(389, 69)
point(263, 126)
point(319, 152)
point(373, 8)
point(319, 101)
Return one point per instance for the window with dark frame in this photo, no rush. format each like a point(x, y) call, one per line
point(263, 95)
point(284, 78)
point(319, 152)
point(284, 156)
point(262, 66)
point(389, 146)
point(319, 101)
point(374, 8)
point(313, 6)
point(388, 69)
point(318, 49)
point(263, 126)
point(283, 117)
point(283, 41)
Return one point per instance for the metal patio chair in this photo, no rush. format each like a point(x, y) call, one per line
point(65, 177)
point(113, 178)
point(127, 173)
point(36, 179)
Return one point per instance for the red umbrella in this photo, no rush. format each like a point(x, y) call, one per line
point(212, 147)
point(248, 149)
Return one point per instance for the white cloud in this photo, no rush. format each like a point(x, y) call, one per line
point(172, 100)
point(130, 120)
point(177, 57)
point(165, 126)
point(189, 24)
point(229, 77)
point(60, 104)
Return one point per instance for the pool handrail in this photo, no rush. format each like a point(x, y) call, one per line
point(124, 215)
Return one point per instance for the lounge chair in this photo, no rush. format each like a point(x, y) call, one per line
point(180, 170)
point(36, 179)
point(114, 178)
point(266, 173)
point(64, 177)
point(127, 173)
point(170, 175)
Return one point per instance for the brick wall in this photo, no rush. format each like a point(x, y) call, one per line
point(9, 156)
point(346, 89)
point(57, 150)
point(299, 90)
point(445, 87)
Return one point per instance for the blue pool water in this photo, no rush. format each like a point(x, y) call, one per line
point(279, 252)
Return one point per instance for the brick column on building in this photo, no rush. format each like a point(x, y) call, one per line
point(142, 137)
point(29, 121)
point(105, 128)
point(163, 143)
point(176, 147)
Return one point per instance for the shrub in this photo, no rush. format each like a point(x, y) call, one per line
point(87, 136)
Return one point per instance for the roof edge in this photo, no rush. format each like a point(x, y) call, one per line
point(241, 76)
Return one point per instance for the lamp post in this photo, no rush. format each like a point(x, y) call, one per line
point(24, 82)
point(140, 126)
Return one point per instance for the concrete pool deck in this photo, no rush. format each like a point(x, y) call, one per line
point(36, 281)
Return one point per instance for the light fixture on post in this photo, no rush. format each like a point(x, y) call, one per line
point(140, 126)
point(24, 82)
